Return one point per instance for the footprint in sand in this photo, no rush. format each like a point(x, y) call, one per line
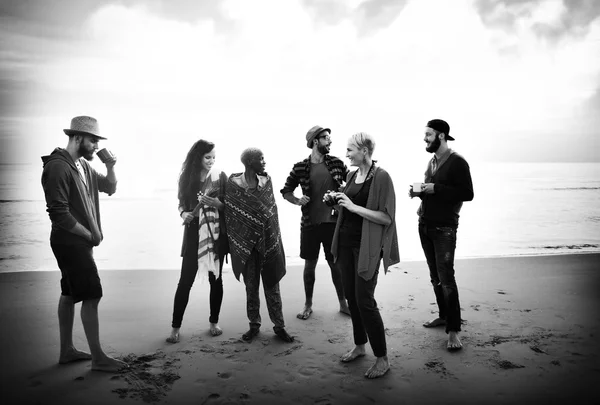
point(211, 398)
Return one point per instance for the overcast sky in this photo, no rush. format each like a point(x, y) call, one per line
point(517, 80)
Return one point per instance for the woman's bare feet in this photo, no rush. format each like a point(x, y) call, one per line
point(215, 329)
point(108, 365)
point(453, 341)
point(305, 314)
point(71, 355)
point(358, 351)
point(435, 323)
point(344, 309)
point(378, 369)
point(174, 337)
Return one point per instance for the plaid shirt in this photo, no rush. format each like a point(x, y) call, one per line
point(300, 174)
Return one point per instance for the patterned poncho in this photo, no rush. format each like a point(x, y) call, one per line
point(253, 225)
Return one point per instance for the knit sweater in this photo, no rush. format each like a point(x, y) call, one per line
point(452, 185)
point(69, 200)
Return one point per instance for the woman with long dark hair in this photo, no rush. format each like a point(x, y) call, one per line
point(201, 195)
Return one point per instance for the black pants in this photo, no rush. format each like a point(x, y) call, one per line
point(439, 244)
point(189, 268)
point(367, 324)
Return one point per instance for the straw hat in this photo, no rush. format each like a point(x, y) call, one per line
point(84, 125)
point(313, 133)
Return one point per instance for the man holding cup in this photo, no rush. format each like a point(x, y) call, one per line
point(71, 188)
point(447, 184)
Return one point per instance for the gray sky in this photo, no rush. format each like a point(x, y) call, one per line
point(517, 80)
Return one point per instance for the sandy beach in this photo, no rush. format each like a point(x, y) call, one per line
point(530, 335)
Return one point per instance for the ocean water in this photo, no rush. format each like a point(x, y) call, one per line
point(519, 209)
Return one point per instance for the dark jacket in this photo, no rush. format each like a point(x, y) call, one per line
point(452, 185)
point(69, 200)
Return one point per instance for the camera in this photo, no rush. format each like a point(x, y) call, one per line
point(330, 199)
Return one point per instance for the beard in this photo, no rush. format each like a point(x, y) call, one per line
point(322, 149)
point(86, 153)
point(435, 145)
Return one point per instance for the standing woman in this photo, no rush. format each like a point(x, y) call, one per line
point(201, 194)
point(365, 234)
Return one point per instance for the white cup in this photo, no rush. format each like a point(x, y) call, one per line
point(417, 187)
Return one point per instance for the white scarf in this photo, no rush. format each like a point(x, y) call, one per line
point(208, 232)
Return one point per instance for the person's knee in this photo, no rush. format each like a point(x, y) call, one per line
point(90, 303)
point(310, 266)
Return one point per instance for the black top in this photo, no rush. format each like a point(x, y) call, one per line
point(452, 185)
point(351, 226)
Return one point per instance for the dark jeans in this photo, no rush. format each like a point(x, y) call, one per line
point(189, 268)
point(367, 324)
point(439, 244)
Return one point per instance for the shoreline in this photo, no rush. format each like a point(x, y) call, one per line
point(529, 335)
point(300, 262)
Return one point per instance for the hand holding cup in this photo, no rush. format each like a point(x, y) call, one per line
point(107, 157)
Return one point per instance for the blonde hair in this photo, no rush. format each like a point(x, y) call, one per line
point(363, 140)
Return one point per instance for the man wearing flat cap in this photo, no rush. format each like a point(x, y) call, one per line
point(317, 174)
point(447, 185)
point(71, 188)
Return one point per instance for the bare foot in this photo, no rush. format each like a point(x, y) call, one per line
point(378, 369)
point(283, 335)
point(108, 365)
point(353, 354)
point(305, 314)
point(72, 355)
point(215, 329)
point(344, 307)
point(453, 341)
point(174, 337)
point(435, 323)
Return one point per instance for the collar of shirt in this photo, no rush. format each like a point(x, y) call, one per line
point(241, 181)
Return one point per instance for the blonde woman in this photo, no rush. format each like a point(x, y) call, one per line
point(365, 235)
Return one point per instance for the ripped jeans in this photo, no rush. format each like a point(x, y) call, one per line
point(439, 244)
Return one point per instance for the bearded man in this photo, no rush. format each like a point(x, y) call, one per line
point(447, 185)
point(71, 189)
point(317, 174)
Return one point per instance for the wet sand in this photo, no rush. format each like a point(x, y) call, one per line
point(530, 335)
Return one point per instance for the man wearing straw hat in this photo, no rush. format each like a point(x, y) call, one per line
point(71, 188)
point(316, 175)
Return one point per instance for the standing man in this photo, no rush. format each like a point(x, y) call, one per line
point(316, 175)
point(71, 188)
point(447, 184)
point(255, 241)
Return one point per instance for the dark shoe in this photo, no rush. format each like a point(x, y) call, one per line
point(248, 336)
point(283, 335)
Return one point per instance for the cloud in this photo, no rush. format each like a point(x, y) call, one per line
point(66, 18)
point(369, 16)
point(550, 20)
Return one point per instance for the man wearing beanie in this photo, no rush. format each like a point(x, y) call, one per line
point(316, 175)
point(447, 184)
